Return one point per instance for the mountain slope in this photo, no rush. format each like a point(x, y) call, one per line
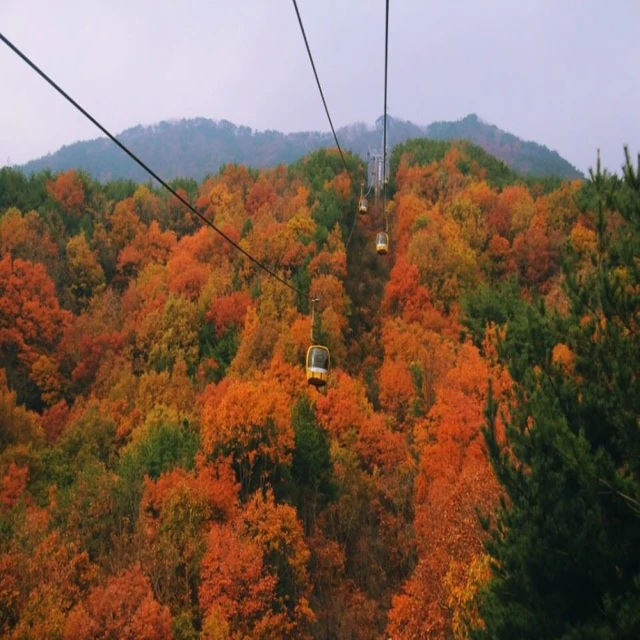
point(197, 147)
point(529, 158)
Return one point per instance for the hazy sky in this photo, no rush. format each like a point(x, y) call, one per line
point(561, 72)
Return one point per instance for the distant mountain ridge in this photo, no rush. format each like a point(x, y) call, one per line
point(196, 147)
point(526, 157)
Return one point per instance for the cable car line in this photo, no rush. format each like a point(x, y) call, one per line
point(382, 238)
point(326, 108)
point(384, 134)
point(324, 102)
point(353, 226)
point(148, 170)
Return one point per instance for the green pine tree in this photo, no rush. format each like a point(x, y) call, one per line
point(312, 470)
point(565, 547)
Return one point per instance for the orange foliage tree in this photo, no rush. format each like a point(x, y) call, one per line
point(535, 251)
point(454, 480)
point(254, 574)
point(31, 322)
point(86, 277)
point(124, 607)
point(175, 513)
point(68, 190)
point(511, 212)
point(251, 422)
point(27, 237)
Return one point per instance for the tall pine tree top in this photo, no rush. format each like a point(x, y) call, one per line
point(566, 544)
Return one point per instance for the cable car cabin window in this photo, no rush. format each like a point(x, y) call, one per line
point(319, 359)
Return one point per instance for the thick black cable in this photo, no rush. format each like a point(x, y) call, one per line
point(384, 134)
point(324, 102)
point(353, 226)
point(326, 108)
point(147, 169)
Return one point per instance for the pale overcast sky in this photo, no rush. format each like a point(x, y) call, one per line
point(561, 72)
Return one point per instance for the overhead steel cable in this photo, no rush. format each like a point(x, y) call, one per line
point(326, 108)
point(148, 170)
point(324, 102)
point(384, 134)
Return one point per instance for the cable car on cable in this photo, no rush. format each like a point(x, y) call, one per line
point(317, 365)
point(317, 356)
point(382, 243)
point(362, 206)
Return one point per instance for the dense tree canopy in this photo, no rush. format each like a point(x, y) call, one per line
point(471, 467)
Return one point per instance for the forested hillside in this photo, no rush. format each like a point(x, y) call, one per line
point(198, 147)
point(525, 156)
point(470, 470)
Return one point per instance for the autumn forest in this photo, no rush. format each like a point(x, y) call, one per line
point(471, 469)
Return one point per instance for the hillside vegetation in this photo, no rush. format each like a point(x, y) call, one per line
point(198, 147)
point(470, 470)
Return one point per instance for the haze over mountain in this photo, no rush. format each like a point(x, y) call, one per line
point(200, 146)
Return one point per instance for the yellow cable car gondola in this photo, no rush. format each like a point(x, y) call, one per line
point(317, 365)
point(382, 243)
point(318, 358)
point(362, 202)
